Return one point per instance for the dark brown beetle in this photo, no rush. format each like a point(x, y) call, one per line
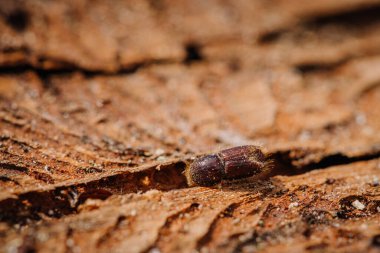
point(233, 163)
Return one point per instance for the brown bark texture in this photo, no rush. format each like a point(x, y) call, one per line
point(104, 103)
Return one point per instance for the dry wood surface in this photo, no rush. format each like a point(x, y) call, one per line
point(103, 103)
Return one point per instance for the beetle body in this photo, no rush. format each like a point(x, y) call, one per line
point(232, 163)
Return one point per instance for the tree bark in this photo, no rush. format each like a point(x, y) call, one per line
point(104, 104)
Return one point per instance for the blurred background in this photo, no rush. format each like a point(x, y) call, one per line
point(183, 77)
point(198, 74)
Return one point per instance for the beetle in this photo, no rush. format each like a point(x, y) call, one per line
point(233, 163)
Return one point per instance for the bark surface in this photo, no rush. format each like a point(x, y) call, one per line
point(103, 103)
